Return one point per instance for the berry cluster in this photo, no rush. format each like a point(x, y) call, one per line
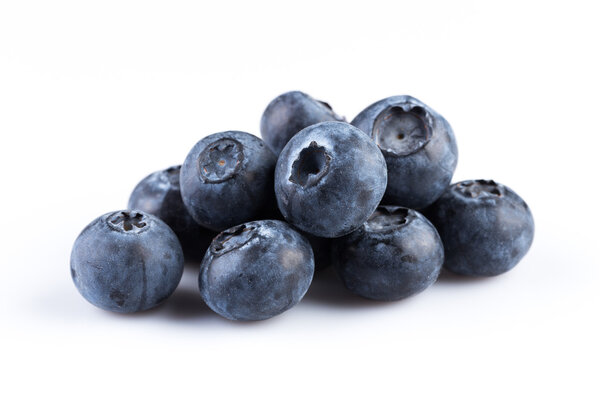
point(372, 197)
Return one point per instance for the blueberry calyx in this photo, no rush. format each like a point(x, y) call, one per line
point(403, 129)
point(221, 160)
point(232, 238)
point(479, 188)
point(387, 218)
point(128, 222)
point(310, 166)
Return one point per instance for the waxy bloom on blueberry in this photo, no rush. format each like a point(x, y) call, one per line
point(227, 179)
point(329, 178)
point(395, 254)
point(126, 261)
point(485, 226)
point(418, 145)
point(256, 270)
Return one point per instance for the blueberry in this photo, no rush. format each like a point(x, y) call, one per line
point(256, 270)
point(159, 194)
point(329, 178)
point(227, 179)
point(395, 254)
point(418, 145)
point(486, 227)
point(126, 261)
point(288, 114)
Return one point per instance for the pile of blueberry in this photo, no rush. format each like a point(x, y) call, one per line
point(315, 191)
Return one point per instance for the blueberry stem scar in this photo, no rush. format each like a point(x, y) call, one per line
point(221, 160)
point(127, 221)
point(310, 166)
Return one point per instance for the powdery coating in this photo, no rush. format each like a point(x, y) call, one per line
point(220, 192)
point(126, 270)
point(288, 114)
point(321, 247)
point(159, 194)
point(396, 254)
point(336, 201)
point(256, 270)
point(419, 171)
point(485, 226)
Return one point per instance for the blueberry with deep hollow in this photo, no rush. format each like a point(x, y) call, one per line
point(311, 165)
point(227, 179)
point(126, 261)
point(395, 254)
point(329, 178)
point(485, 226)
point(418, 145)
point(256, 270)
point(288, 114)
point(159, 194)
point(221, 160)
point(402, 132)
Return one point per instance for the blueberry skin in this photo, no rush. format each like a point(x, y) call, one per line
point(395, 254)
point(256, 270)
point(227, 179)
point(126, 261)
point(329, 178)
point(288, 114)
point(321, 246)
point(485, 226)
point(159, 194)
point(418, 145)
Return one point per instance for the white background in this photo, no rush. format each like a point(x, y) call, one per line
point(96, 95)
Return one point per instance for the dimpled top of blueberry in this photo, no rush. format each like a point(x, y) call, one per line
point(128, 221)
point(221, 160)
point(233, 238)
point(480, 189)
point(418, 145)
point(403, 128)
point(387, 218)
point(310, 166)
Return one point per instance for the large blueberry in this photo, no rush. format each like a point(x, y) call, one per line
point(288, 114)
point(126, 261)
point(329, 178)
point(418, 145)
point(159, 194)
point(395, 254)
point(486, 227)
point(256, 270)
point(227, 179)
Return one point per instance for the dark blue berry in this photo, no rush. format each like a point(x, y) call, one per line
point(256, 270)
point(486, 227)
point(418, 145)
point(329, 178)
point(126, 261)
point(395, 254)
point(227, 179)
